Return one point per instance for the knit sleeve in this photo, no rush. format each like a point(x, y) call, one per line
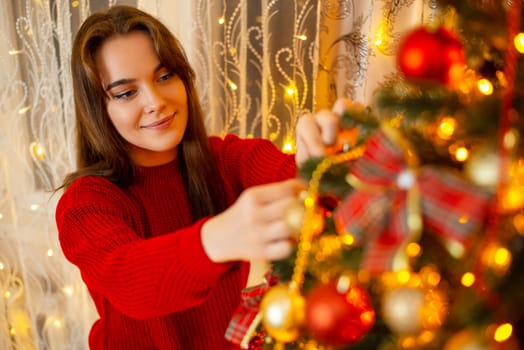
point(251, 162)
point(141, 277)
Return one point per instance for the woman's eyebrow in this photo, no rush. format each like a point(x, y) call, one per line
point(128, 81)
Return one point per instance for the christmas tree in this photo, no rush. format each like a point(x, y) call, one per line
point(411, 234)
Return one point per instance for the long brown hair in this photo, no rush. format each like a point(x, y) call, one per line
point(100, 148)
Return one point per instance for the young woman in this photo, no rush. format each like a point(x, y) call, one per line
point(161, 219)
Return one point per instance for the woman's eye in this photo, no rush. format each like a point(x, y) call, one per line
point(124, 95)
point(165, 76)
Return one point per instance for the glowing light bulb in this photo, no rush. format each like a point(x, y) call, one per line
point(485, 87)
point(2, 266)
point(461, 154)
point(519, 42)
point(413, 249)
point(446, 128)
point(468, 279)
point(74, 4)
point(233, 86)
point(67, 291)
point(302, 37)
point(15, 52)
point(221, 20)
point(24, 109)
point(34, 207)
point(50, 252)
point(288, 147)
point(403, 276)
point(503, 332)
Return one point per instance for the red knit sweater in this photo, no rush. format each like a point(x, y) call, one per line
point(141, 256)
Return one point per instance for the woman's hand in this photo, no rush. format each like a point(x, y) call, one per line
point(254, 227)
point(314, 132)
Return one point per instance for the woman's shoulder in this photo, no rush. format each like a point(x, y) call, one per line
point(92, 188)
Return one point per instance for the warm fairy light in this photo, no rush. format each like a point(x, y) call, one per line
point(2, 266)
point(232, 85)
point(221, 20)
point(446, 128)
point(7, 294)
point(67, 291)
point(503, 332)
point(37, 150)
point(381, 35)
point(1, 216)
point(518, 223)
point(15, 52)
point(24, 109)
point(289, 146)
point(50, 252)
point(461, 154)
point(348, 239)
point(403, 276)
point(12, 331)
point(433, 278)
point(408, 342)
point(57, 323)
point(485, 87)
point(291, 90)
point(519, 42)
point(74, 4)
point(34, 207)
point(468, 279)
point(502, 257)
point(512, 197)
point(302, 37)
point(426, 337)
point(413, 249)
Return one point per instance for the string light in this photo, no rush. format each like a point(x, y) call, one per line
point(503, 332)
point(461, 154)
point(485, 86)
point(24, 109)
point(468, 279)
point(301, 37)
point(50, 252)
point(446, 128)
point(221, 20)
point(74, 4)
point(15, 52)
point(519, 42)
point(34, 207)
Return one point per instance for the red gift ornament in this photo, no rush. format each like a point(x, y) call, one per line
point(425, 55)
point(394, 200)
point(338, 313)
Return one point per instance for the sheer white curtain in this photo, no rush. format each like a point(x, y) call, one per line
point(260, 64)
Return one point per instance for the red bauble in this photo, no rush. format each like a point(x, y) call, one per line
point(338, 317)
point(430, 55)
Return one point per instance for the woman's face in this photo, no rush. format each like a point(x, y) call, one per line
point(146, 102)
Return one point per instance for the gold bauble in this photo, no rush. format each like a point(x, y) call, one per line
point(483, 166)
point(295, 217)
point(282, 313)
point(401, 309)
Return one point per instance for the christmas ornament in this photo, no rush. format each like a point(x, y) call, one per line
point(401, 309)
point(338, 315)
point(393, 198)
point(429, 55)
point(282, 313)
point(483, 166)
point(409, 310)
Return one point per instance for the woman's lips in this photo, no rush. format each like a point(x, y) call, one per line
point(161, 124)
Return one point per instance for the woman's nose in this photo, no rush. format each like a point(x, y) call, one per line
point(154, 100)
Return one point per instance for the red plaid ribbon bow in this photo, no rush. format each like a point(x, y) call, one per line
point(245, 316)
point(393, 198)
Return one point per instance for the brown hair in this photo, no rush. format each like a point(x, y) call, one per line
point(100, 148)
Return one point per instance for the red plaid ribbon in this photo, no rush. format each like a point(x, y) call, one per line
point(246, 312)
point(380, 210)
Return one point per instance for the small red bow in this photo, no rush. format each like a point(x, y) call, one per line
point(393, 200)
